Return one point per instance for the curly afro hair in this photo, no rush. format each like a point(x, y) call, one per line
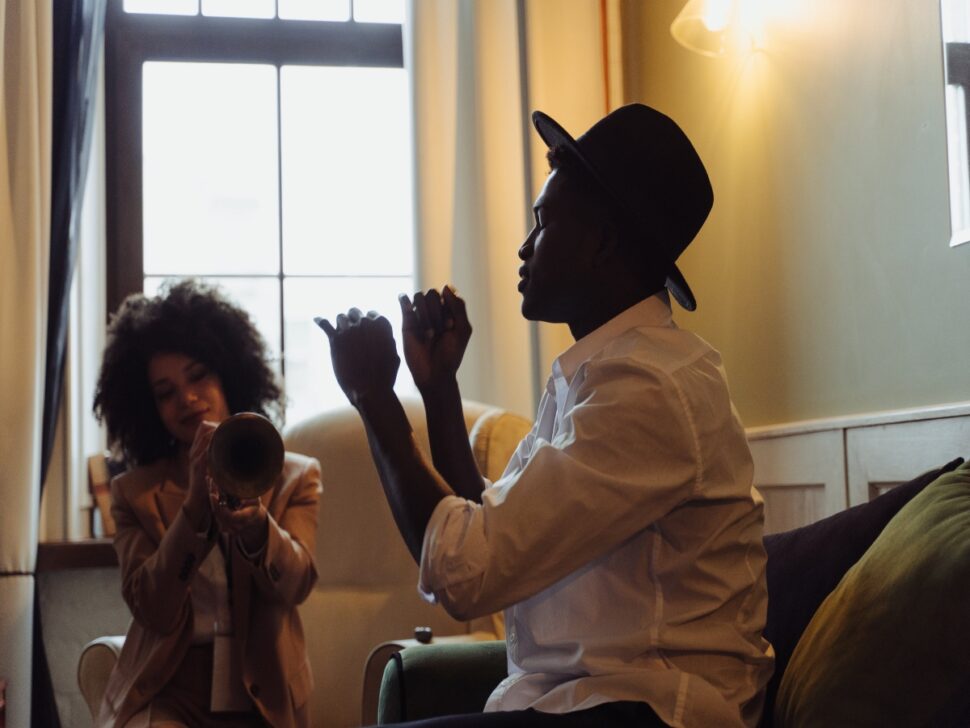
point(190, 318)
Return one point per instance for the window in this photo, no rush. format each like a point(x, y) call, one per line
point(955, 16)
point(263, 145)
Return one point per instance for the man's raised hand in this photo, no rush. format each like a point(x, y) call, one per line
point(436, 331)
point(363, 353)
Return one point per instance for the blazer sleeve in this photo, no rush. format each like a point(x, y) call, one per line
point(284, 571)
point(155, 575)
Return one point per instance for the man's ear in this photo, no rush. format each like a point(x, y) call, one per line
point(609, 243)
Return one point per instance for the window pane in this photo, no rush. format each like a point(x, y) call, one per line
point(259, 297)
point(210, 169)
point(379, 11)
point(163, 7)
point(314, 9)
point(955, 15)
point(311, 386)
point(240, 8)
point(346, 171)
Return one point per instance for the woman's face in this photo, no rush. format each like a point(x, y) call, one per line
point(186, 392)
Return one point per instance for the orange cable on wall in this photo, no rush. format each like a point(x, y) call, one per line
point(604, 29)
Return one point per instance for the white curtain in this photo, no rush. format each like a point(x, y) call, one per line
point(25, 163)
point(66, 503)
point(479, 164)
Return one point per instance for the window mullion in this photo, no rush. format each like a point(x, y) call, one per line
point(279, 215)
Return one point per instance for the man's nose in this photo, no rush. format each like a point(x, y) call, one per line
point(525, 250)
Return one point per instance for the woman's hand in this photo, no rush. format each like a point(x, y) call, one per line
point(436, 331)
point(197, 505)
point(247, 519)
point(363, 354)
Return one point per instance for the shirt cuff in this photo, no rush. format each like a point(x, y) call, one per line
point(449, 552)
point(432, 534)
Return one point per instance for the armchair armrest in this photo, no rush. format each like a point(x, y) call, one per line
point(426, 681)
point(94, 666)
point(381, 655)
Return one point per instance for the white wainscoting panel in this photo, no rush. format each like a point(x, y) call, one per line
point(801, 477)
point(880, 457)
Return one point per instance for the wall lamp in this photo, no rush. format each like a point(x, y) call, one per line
point(714, 27)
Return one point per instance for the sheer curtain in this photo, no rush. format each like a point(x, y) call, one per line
point(25, 177)
point(478, 68)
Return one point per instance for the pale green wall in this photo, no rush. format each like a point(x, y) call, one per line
point(824, 274)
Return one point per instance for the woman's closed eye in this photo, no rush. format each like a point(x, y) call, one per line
point(163, 393)
point(198, 372)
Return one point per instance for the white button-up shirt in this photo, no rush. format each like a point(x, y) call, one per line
point(624, 539)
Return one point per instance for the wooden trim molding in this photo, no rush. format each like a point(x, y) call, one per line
point(871, 419)
point(91, 554)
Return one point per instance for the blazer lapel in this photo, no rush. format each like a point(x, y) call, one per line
point(169, 499)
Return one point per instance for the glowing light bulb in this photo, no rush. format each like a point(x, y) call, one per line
point(716, 15)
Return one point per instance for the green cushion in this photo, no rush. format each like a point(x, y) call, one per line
point(426, 681)
point(890, 646)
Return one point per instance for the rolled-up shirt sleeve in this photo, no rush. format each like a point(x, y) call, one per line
point(454, 550)
point(609, 472)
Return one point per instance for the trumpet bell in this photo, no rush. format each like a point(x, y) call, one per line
point(246, 455)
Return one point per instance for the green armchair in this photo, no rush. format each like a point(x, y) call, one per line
point(463, 675)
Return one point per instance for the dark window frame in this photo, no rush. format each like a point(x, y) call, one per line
point(131, 39)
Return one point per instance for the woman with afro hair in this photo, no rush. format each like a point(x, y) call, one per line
point(216, 639)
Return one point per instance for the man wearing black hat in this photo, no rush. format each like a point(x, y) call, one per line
point(624, 540)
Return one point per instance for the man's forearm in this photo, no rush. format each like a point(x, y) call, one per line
point(450, 448)
point(413, 488)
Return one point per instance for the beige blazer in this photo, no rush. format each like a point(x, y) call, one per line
point(160, 552)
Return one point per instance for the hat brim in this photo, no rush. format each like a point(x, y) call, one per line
point(554, 135)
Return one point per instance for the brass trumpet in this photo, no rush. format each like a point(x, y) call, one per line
point(245, 457)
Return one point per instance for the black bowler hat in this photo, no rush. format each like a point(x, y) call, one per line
point(648, 166)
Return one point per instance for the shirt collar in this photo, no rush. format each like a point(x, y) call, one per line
point(650, 312)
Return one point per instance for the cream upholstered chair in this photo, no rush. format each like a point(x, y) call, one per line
point(367, 591)
point(94, 666)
